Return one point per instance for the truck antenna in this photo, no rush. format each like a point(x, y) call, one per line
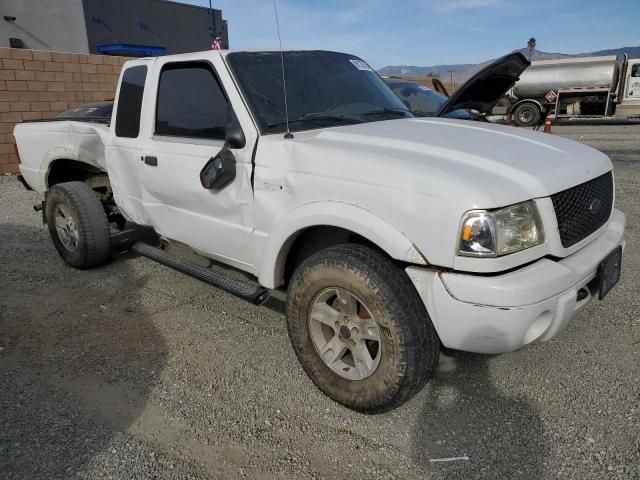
point(284, 81)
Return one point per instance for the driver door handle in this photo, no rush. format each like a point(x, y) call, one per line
point(152, 161)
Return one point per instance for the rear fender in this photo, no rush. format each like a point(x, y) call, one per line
point(43, 143)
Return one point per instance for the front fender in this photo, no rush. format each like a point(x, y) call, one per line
point(335, 214)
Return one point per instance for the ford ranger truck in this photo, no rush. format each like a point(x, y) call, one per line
point(392, 235)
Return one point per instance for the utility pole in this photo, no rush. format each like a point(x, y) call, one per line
point(453, 85)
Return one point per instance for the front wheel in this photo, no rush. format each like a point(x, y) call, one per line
point(77, 224)
point(359, 328)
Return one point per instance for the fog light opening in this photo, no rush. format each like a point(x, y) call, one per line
point(538, 327)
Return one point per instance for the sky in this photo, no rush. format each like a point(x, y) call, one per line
point(432, 32)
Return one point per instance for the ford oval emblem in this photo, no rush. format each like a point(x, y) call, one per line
point(595, 206)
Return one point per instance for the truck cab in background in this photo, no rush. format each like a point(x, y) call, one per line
point(630, 104)
point(580, 87)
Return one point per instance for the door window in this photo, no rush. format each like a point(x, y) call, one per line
point(191, 102)
point(130, 102)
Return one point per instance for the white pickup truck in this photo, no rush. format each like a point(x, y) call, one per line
point(393, 235)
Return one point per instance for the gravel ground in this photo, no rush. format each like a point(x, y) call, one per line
point(135, 371)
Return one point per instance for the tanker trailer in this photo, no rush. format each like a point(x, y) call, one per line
point(575, 87)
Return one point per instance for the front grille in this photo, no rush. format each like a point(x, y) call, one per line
point(582, 210)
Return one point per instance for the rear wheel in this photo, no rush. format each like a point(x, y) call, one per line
point(359, 328)
point(77, 224)
point(527, 115)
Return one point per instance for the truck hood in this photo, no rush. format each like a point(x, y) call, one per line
point(486, 87)
point(489, 165)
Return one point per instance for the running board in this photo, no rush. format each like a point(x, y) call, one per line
point(250, 292)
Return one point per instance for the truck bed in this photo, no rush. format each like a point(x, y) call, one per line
point(105, 121)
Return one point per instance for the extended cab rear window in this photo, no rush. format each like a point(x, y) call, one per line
point(130, 102)
point(191, 102)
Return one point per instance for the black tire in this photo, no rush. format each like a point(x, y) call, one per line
point(527, 115)
point(409, 343)
point(93, 243)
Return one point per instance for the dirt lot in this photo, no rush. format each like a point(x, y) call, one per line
point(134, 371)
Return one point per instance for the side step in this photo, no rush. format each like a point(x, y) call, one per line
point(253, 293)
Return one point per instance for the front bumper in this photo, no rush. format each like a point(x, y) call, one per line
point(504, 312)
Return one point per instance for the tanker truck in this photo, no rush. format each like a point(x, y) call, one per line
point(581, 87)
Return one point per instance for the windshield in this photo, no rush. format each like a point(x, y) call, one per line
point(422, 101)
point(323, 89)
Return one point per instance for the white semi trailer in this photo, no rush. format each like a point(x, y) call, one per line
point(583, 87)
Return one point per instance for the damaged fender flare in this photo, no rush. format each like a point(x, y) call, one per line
point(334, 214)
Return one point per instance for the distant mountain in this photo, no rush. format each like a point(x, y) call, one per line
point(461, 72)
point(413, 71)
point(633, 52)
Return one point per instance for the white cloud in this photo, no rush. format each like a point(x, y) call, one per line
point(450, 5)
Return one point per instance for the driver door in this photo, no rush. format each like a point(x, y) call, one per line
point(187, 130)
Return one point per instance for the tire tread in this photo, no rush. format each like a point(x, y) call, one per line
point(92, 222)
point(419, 341)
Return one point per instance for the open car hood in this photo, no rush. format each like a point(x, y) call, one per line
point(485, 88)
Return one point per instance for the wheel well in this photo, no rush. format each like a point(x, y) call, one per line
point(535, 103)
point(313, 239)
point(65, 170)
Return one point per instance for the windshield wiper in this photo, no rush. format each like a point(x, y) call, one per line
point(320, 116)
point(388, 111)
point(311, 117)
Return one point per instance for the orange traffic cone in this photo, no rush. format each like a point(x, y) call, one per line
point(547, 123)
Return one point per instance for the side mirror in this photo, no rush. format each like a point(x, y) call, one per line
point(234, 136)
point(219, 171)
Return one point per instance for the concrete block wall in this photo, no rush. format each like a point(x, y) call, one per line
point(38, 84)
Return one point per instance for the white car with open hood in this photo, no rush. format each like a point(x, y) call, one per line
point(392, 234)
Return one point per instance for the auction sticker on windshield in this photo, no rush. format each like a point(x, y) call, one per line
point(360, 65)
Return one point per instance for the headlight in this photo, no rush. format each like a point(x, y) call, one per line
point(499, 232)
